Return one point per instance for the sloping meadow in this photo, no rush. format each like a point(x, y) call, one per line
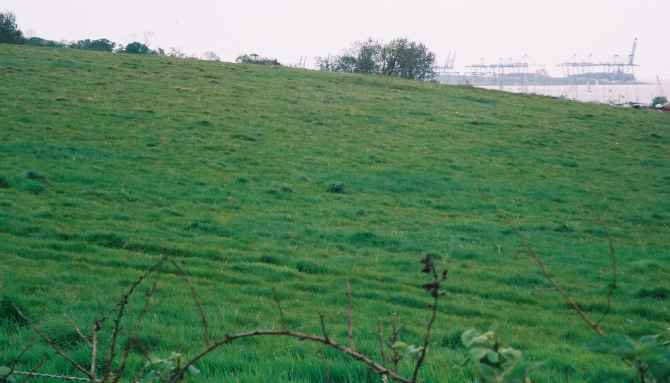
point(264, 178)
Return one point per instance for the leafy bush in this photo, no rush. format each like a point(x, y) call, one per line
point(137, 48)
point(649, 356)
point(659, 100)
point(161, 369)
point(9, 31)
point(9, 313)
point(337, 188)
point(103, 45)
point(40, 42)
point(6, 375)
point(399, 58)
point(256, 59)
point(659, 293)
point(495, 363)
point(32, 186)
point(308, 267)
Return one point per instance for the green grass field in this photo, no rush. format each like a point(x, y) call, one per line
point(108, 161)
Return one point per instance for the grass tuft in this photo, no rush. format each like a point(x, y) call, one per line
point(9, 313)
point(657, 293)
point(4, 183)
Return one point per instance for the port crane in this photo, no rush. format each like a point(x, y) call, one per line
point(448, 64)
point(631, 57)
point(661, 91)
point(617, 70)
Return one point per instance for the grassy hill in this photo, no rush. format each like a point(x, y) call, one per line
point(108, 161)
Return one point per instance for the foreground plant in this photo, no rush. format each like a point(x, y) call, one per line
point(178, 367)
point(494, 362)
point(649, 355)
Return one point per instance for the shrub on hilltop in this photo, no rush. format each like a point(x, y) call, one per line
point(9, 30)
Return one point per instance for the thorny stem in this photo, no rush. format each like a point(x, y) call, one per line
point(178, 374)
point(53, 345)
point(52, 376)
point(197, 301)
point(323, 327)
point(374, 366)
point(429, 327)
point(282, 319)
point(566, 297)
point(123, 303)
point(350, 326)
point(381, 343)
point(12, 365)
point(94, 348)
point(131, 339)
point(614, 284)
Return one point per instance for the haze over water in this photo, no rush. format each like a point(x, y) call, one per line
point(607, 94)
point(548, 31)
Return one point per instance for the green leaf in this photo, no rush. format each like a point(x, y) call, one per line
point(193, 370)
point(399, 345)
point(516, 373)
point(649, 340)
point(478, 353)
point(488, 374)
point(510, 354)
point(413, 350)
point(5, 371)
point(487, 339)
point(468, 336)
point(492, 357)
point(618, 345)
point(658, 365)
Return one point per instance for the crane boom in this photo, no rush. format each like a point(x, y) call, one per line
point(661, 91)
point(631, 57)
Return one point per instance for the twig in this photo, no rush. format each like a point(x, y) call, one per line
point(372, 365)
point(123, 303)
point(97, 326)
point(197, 301)
point(282, 319)
point(381, 343)
point(434, 289)
point(15, 362)
point(350, 326)
point(396, 357)
point(614, 284)
point(322, 320)
point(566, 297)
point(35, 368)
point(52, 376)
point(53, 344)
point(78, 330)
point(133, 335)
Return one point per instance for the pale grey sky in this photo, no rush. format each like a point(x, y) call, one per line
point(548, 31)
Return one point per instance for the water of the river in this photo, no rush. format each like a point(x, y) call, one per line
point(609, 94)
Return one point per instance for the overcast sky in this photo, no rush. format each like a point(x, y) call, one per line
point(548, 31)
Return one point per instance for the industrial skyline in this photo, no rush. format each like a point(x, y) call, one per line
point(548, 31)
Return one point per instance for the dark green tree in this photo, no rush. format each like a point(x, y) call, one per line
point(103, 45)
point(137, 48)
point(407, 59)
point(40, 42)
point(659, 100)
point(9, 31)
point(253, 58)
point(398, 58)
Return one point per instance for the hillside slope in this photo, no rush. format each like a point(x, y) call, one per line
point(108, 161)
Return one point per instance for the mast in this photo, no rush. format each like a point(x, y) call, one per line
point(631, 57)
point(661, 91)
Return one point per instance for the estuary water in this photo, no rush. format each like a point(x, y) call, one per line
point(606, 94)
